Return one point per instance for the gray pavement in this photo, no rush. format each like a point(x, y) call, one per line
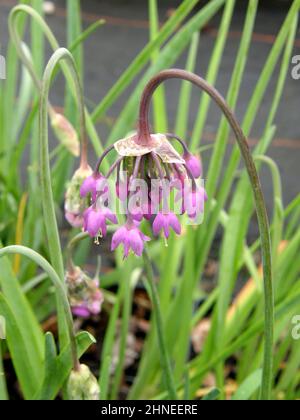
point(112, 48)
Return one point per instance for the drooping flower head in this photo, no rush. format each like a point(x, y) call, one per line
point(75, 204)
point(82, 385)
point(149, 175)
point(154, 183)
point(85, 296)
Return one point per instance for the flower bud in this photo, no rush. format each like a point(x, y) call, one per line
point(74, 203)
point(84, 294)
point(194, 165)
point(65, 133)
point(83, 386)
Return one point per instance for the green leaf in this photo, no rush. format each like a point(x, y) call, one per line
point(168, 57)
point(3, 387)
point(57, 369)
point(249, 387)
point(159, 100)
point(213, 395)
point(145, 55)
point(181, 128)
point(211, 77)
point(22, 311)
point(25, 361)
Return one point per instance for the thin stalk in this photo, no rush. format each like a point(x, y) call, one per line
point(17, 41)
point(70, 248)
point(263, 220)
point(51, 227)
point(3, 387)
point(59, 287)
point(47, 193)
point(165, 359)
point(278, 203)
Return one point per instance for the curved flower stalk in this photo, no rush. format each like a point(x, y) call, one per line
point(48, 204)
point(147, 175)
point(15, 36)
point(47, 195)
point(145, 138)
point(150, 156)
point(64, 131)
point(59, 287)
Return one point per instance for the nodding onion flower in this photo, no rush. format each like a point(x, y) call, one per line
point(147, 156)
point(146, 177)
point(153, 182)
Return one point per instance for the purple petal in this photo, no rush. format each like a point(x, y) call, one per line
point(158, 224)
point(94, 223)
point(175, 224)
point(193, 163)
point(126, 248)
point(144, 237)
point(81, 311)
point(118, 238)
point(136, 242)
point(88, 186)
point(167, 231)
point(74, 220)
point(111, 216)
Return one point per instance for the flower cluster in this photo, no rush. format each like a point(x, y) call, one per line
point(153, 182)
point(84, 294)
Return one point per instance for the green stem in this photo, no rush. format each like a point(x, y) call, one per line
point(165, 359)
point(278, 203)
point(47, 193)
point(3, 387)
point(262, 215)
point(13, 29)
point(70, 247)
point(51, 227)
point(59, 287)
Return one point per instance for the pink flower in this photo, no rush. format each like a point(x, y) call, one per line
point(92, 185)
point(141, 211)
point(165, 222)
point(85, 297)
point(194, 201)
point(122, 190)
point(95, 221)
point(81, 311)
point(91, 305)
point(131, 238)
point(194, 165)
point(75, 220)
